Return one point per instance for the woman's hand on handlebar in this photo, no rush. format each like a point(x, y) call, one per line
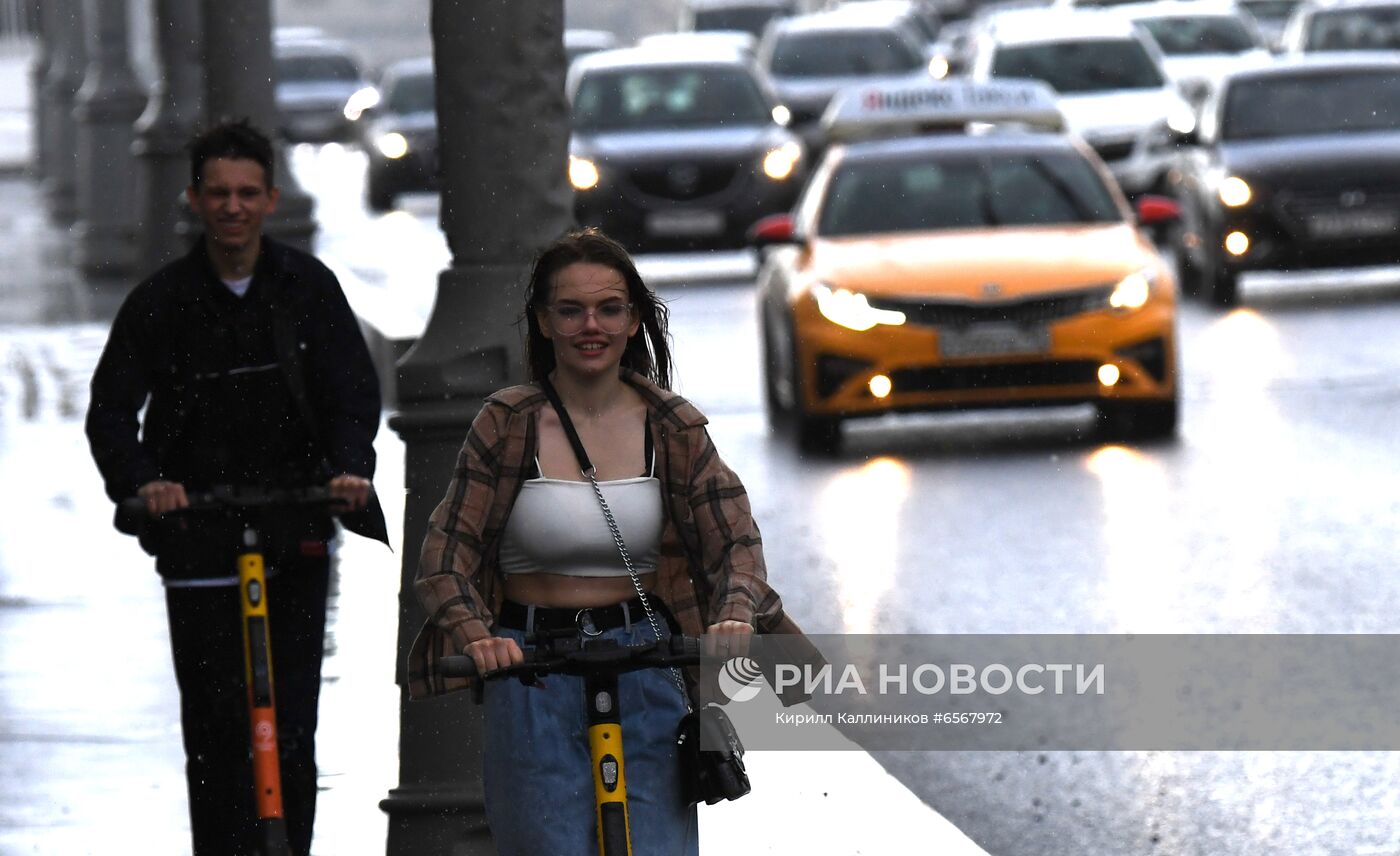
point(494, 652)
point(350, 489)
point(163, 497)
point(728, 639)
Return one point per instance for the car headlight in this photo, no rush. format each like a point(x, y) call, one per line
point(1132, 291)
point(392, 145)
point(1234, 192)
point(363, 99)
point(583, 173)
point(1181, 118)
point(779, 163)
point(852, 309)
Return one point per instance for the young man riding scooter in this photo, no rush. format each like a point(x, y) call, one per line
point(253, 374)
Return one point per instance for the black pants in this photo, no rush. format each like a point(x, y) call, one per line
point(206, 639)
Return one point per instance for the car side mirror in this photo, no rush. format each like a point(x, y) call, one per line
point(1154, 210)
point(772, 230)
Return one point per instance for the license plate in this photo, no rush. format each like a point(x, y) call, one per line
point(314, 123)
point(1353, 224)
point(685, 223)
point(993, 340)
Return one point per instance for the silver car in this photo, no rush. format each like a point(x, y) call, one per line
point(316, 79)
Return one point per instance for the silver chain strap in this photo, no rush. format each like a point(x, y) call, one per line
point(636, 581)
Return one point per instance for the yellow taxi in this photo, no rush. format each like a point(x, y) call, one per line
point(957, 249)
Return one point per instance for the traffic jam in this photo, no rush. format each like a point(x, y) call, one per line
point(961, 206)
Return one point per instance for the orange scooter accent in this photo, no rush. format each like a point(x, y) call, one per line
point(262, 710)
point(249, 505)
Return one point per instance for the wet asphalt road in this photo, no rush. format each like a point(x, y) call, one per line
point(1274, 513)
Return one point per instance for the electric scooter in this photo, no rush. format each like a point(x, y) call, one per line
point(599, 662)
point(248, 506)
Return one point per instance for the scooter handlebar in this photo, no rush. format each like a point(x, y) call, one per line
point(672, 651)
point(132, 516)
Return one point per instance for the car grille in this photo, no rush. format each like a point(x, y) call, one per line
point(996, 376)
point(1041, 309)
point(683, 180)
point(1299, 206)
point(314, 108)
point(807, 115)
point(1114, 150)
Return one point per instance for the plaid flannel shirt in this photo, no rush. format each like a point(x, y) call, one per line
point(709, 568)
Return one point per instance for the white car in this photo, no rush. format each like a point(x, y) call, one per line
point(810, 58)
point(738, 41)
point(1201, 42)
point(1343, 25)
point(1109, 76)
point(1272, 17)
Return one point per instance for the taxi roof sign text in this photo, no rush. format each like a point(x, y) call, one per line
point(902, 109)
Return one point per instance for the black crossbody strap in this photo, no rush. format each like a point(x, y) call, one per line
point(585, 465)
point(591, 474)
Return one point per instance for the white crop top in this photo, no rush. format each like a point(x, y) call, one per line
point(557, 527)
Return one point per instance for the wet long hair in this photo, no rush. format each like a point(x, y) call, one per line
point(648, 352)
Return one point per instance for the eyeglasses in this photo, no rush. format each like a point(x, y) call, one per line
point(567, 319)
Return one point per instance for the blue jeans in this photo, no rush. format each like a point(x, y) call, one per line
point(538, 772)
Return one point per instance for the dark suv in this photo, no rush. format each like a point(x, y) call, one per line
point(676, 149)
point(401, 136)
point(1295, 166)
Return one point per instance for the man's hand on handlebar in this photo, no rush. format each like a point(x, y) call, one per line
point(350, 489)
point(494, 652)
point(163, 497)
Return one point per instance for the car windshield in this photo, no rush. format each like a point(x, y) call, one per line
point(971, 192)
point(1200, 34)
point(1094, 65)
point(1270, 10)
point(1364, 28)
point(301, 69)
point(412, 93)
point(660, 98)
point(1324, 103)
point(843, 54)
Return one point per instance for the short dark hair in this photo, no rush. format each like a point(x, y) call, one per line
point(233, 139)
point(648, 352)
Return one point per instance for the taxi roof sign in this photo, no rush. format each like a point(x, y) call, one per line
point(901, 109)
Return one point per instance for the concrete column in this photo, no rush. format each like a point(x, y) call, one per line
point(67, 57)
point(239, 84)
point(503, 126)
point(107, 106)
point(173, 115)
point(38, 74)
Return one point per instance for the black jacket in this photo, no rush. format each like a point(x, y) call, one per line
point(183, 346)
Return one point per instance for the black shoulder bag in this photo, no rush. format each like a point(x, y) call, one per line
point(707, 775)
